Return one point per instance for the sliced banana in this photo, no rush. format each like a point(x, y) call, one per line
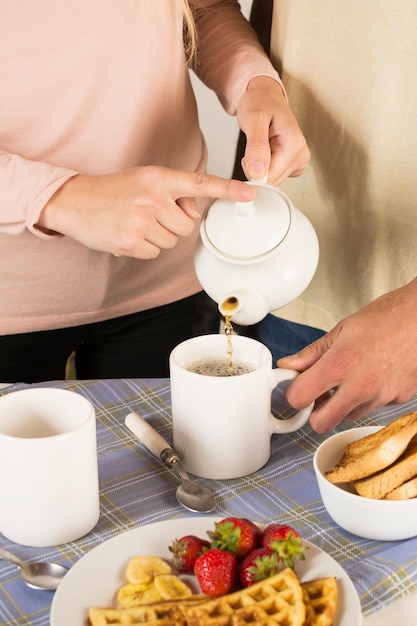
point(143, 569)
point(150, 579)
point(134, 594)
point(170, 586)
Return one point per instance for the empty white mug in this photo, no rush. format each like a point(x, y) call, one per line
point(222, 425)
point(49, 492)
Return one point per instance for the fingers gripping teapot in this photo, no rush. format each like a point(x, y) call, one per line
point(255, 257)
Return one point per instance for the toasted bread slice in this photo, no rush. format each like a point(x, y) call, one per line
point(374, 452)
point(385, 481)
point(406, 491)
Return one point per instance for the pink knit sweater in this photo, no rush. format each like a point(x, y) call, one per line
point(94, 87)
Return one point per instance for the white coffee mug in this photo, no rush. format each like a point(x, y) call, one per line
point(222, 425)
point(49, 492)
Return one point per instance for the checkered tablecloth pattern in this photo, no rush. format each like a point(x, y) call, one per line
point(136, 489)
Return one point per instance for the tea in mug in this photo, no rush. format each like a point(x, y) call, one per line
point(216, 366)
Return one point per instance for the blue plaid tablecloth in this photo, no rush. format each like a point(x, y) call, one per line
point(137, 489)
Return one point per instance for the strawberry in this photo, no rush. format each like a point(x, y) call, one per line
point(258, 565)
point(238, 535)
point(186, 550)
point(216, 571)
point(285, 541)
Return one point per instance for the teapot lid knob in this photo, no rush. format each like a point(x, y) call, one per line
point(245, 230)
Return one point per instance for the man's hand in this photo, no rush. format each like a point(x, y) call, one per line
point(275, 144)
point(137, 212)
point(366, 361)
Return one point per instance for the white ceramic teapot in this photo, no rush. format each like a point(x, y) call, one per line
point(255, 257)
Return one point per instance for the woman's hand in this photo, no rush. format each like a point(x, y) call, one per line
point(275, 144)
point(366, 361)
point(137, 212)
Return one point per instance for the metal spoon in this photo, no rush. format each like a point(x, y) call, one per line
point(190, 494)
point(37, 575)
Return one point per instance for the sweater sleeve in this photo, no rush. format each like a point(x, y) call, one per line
point(26, 188)
point(229, 53)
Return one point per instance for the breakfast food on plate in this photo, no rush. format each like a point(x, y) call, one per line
point(267, 591)
point(167, 613)
point(216, 571)
point(143, 569)
point(185, 552)
point(320, 599)
point(285, 541)
point(379, 485)
point(376, 452)
point(259, 564)
point(150, 579)
point(258, 554)
point(162, 587)
point(236, 534)
point(280, 600)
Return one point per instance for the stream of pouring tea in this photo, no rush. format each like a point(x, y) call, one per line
point(228, 307)
point(228, 331)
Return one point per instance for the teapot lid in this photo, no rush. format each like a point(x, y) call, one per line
point(245, 230)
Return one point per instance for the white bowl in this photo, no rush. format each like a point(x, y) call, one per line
point(383, 520)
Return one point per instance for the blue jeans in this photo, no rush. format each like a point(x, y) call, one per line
point(280, 336)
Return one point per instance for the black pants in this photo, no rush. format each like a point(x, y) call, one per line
point(133, 346)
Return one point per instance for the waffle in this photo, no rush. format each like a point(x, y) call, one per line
point(165, 613)
point(277, 601)
point(320, 599)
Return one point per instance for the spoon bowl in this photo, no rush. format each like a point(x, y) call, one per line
point(190, 494)
point(41, 575)
point(195, 497)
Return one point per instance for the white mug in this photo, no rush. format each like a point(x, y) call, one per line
point(222, 425)
point(49, 493)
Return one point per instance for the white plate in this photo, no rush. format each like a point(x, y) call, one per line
point(94, 579)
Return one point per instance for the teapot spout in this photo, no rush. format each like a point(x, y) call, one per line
point(243, 307)
point(229, 306)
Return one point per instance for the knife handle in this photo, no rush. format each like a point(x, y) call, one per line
point(147, 435)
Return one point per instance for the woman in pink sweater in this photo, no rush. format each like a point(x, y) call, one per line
point(102, 177)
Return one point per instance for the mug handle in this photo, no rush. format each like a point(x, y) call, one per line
point(297, 421)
